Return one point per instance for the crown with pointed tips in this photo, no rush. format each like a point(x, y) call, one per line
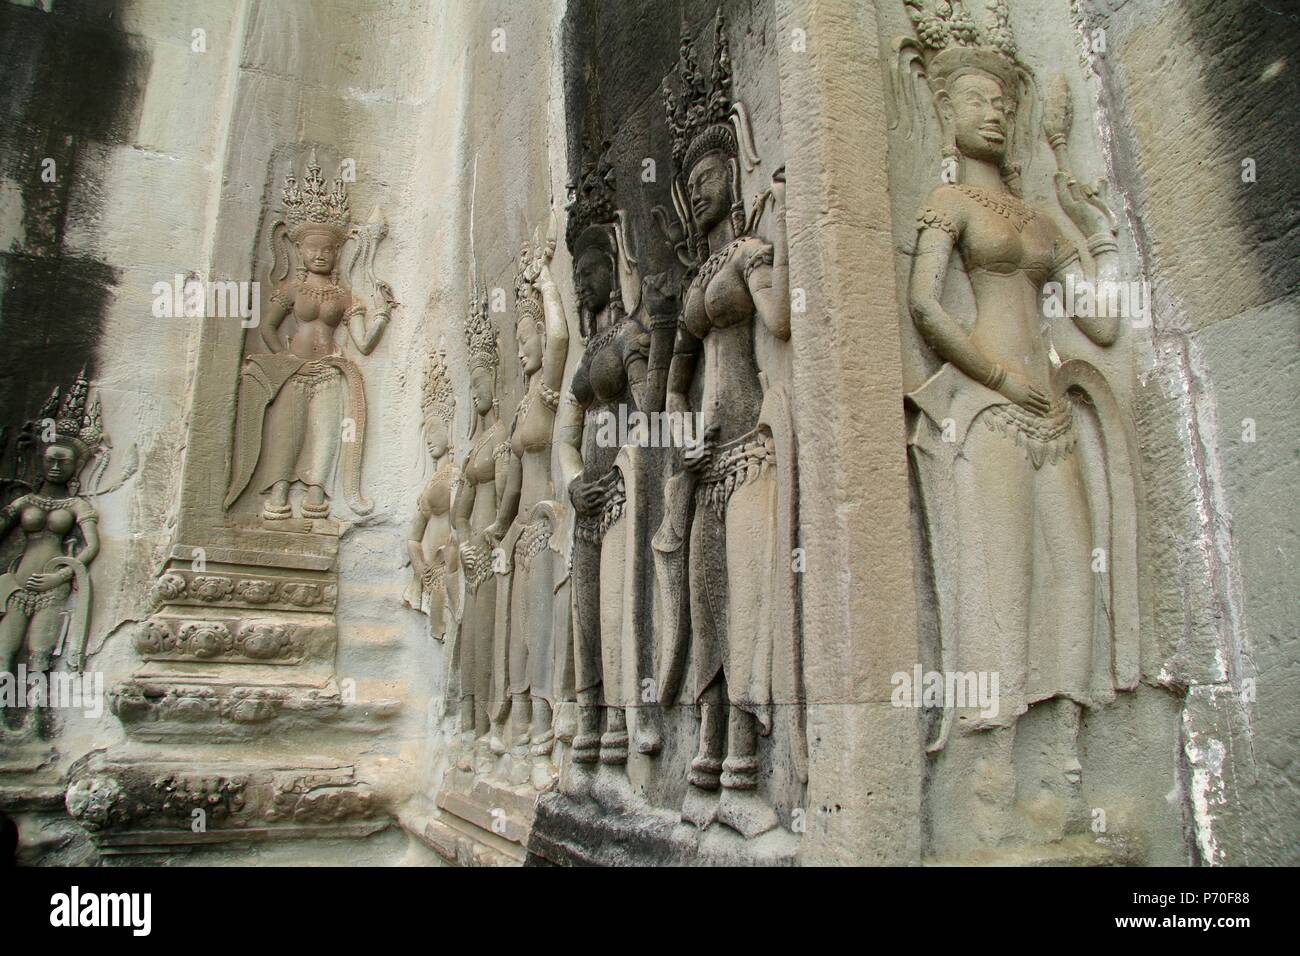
point(436, 392)
point(700, 121)
point(594, 202)
point(951, 40)
point(312, 206)
point(77, 421)
point(528, 301)
point(480, 333)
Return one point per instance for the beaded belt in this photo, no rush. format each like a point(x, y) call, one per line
point(734, 463)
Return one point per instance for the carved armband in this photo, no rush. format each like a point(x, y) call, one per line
point(763, 257)
point(931, 218)
point(1101, 242)
point(550, 397)
point(357, 309)
point(282, 297)
point(997, 375)
point(1066, 255)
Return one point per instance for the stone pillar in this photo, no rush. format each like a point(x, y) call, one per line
point(859, 609)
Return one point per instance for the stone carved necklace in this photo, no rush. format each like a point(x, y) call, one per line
point(50, 504)
point(321, 293)
point(1009, 207)
point(713, 265)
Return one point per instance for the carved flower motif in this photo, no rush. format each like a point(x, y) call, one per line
point(98, 802)
point(303, 595)
point(204, 639)
point(169, 587)
point(152, 637)
point(256, 591)
point(210, 588)
point(263, 641)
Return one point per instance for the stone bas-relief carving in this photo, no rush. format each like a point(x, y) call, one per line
point(731, 508)
point(290, 424)
point(526, 597)
point(478, 529)
point(45, 597)
point(609, 537)
point(431, 545)
point(1010, 517)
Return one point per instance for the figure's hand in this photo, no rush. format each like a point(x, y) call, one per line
point(698, 456)
point(1027, 396)
point(1085, 204)
point(658, 295)
point(778, 192)
point(493, 534)
point(46, 581)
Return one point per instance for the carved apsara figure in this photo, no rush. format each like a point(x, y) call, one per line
point(729, 520)
point(526, 609)
point(1011, 524)
point(478, 531)
point(61, 537)
point(431, 544)
point(611, 373)
point(290, 424)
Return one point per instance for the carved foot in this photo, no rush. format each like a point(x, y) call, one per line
point(542, 745)
point(746, 812)
point(271, 512)
point(566, 721)
point(648, 739)
point(484, 759)
point(586, 748)
point(704, 773)
point(310, 510)
point(578, 780)
point(613, 790)
point(613, 748)
point(544, 774)
point(700, 808)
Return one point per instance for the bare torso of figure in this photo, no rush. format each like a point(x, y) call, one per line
point(720, 311)
point(532, 445)
point(46, 532)
point(1008, 267)
point(319, 306)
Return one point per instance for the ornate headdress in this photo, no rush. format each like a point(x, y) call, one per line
point(312, 207)
point(528, 301)
point(480, 333)
point(951, 41)
point(700, 122)
point(592, 210)
point(77, 423)
point(437, 397)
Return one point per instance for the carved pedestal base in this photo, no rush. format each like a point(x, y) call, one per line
point(576, 832)
point(141, 805)
point(484, 821)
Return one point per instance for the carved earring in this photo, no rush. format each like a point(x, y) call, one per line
point(738, 202)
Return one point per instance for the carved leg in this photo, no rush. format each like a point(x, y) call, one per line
point(613, 743)
point(13, 629)
point(972, 796)
point(42, 635)
point(701, 805)
point(586, 745)
point(314, 503)
point(1048, 770)
point(542, 736)
point(276, 506)
point(742, 807)
point(521, 718)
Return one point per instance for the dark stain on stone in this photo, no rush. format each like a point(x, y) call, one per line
point(1251, 73)
point(74, 83)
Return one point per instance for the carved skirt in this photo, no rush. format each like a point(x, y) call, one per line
point(599, 562)
point(1010, 535)
point(28, 602)
point(732, 571)
point(532, 590)
point(300, 440)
